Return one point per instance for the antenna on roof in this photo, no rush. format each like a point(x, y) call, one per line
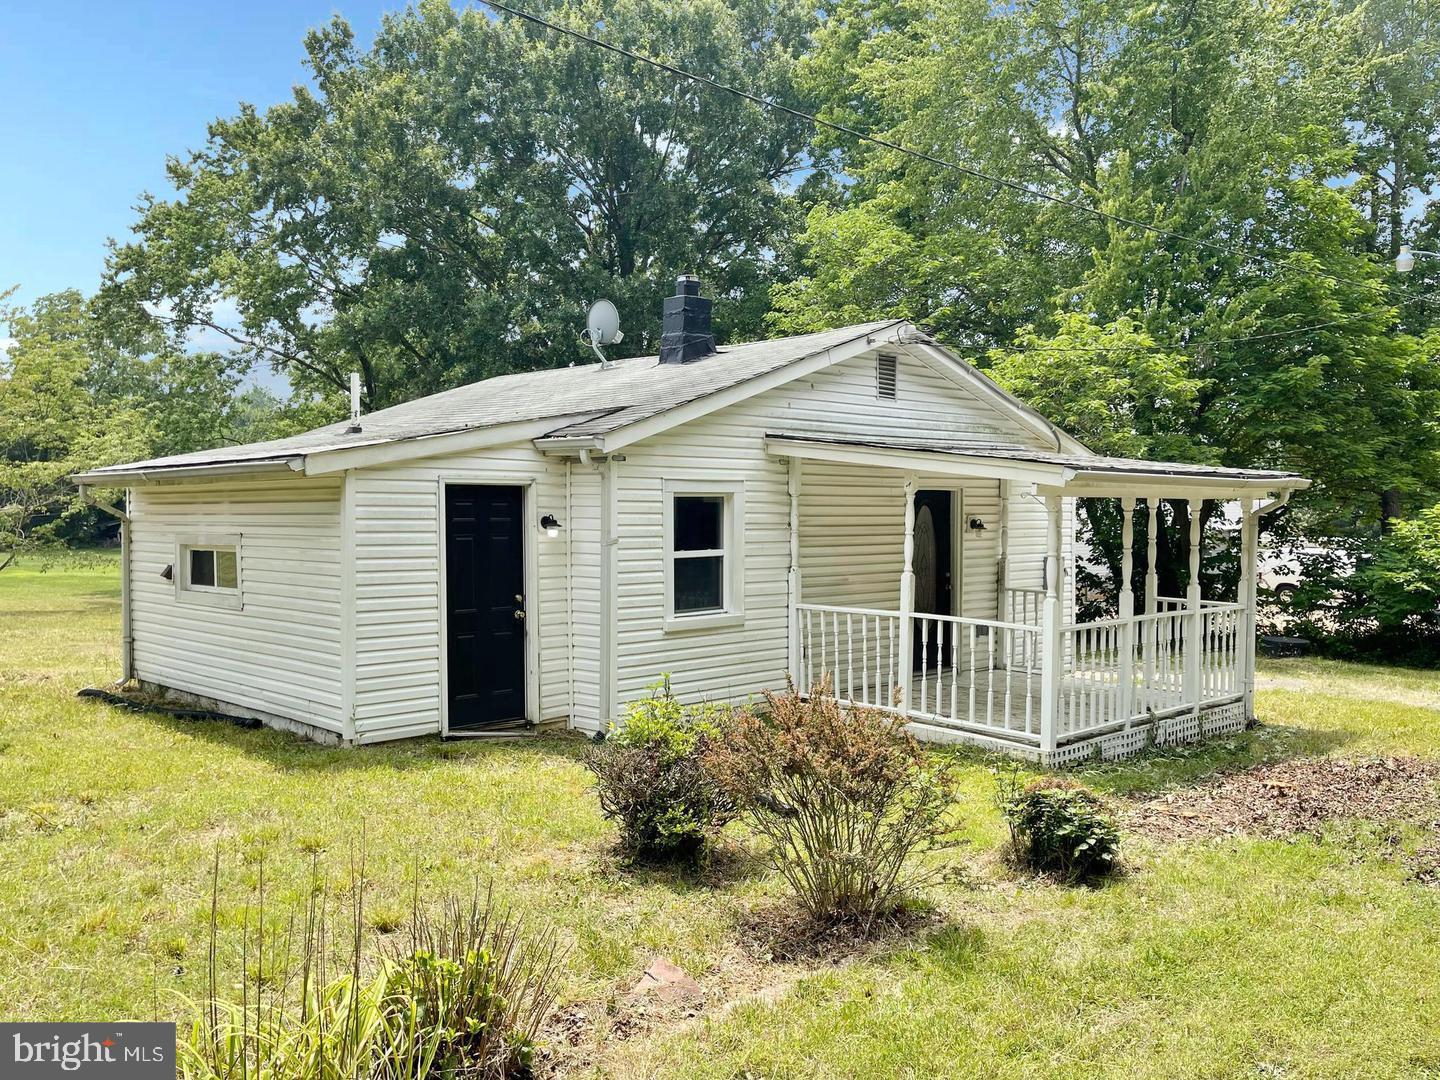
point(602, 327)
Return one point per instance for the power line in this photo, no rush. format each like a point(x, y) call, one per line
point(921, 155)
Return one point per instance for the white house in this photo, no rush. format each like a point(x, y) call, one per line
point(857, 503)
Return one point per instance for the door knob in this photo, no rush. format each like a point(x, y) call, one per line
point(519, 598)
point(520, 614)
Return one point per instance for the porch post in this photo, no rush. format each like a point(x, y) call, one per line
point(1152, 576)
point(1002, 561)
point(1050, 673)
point(1249, 545)
point(792, 583)
point(1127, 608)
point(1196, 629)
point(905, 660)
point(1151, 642)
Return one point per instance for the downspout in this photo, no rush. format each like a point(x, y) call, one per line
point(570, 591)
point(127, 637)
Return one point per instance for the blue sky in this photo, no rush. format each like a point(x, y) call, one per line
point(95, 95)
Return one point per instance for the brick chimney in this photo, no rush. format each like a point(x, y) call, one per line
point(685, 332)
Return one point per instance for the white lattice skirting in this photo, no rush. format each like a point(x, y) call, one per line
point(1189, 727)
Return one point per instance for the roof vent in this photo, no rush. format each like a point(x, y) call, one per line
point(685, 331)
point(885, 376)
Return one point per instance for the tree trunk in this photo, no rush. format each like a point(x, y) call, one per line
point(1390, 508)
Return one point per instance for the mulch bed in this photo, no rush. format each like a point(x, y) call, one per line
point(1292, 798)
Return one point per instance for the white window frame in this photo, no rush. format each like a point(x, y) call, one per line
point(209, 595)
point(732, 532)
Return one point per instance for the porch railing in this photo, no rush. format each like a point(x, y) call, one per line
point(855, 648)
point(985, 674)
point(978, 673)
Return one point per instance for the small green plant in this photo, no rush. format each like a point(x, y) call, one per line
point(1058, 827)
point(651, 779)
point(846, 798)
point(463, 996)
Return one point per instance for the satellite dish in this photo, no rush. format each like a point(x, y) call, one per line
point(602, 327)
point(602, 324)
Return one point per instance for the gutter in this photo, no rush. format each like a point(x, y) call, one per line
point(127, 636)
point(189, 472)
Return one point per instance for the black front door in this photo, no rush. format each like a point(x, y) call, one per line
point(933, 566)
point(485, 605)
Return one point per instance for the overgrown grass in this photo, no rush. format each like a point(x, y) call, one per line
point(1233, 958)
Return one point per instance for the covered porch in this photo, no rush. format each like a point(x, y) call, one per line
point(996, 657)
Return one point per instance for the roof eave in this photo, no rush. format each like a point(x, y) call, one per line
point(125, 474)
point(1110, 484)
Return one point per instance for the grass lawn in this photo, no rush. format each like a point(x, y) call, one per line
point(1240, 957)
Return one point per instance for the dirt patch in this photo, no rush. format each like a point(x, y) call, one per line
point(775, 947)
point(1290, 798)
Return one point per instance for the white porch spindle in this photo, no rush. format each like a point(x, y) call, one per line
point(1050, 629)
point(1127, 609)
point(1249, 550)
point(1194, 618)
point(792, 581)
point(904, 661)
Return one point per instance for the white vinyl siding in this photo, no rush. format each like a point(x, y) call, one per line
point(852, 521)
point(585, 600)
point(278, 652)
point(398, 590)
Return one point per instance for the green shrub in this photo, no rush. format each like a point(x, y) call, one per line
point(845, 798)
point(651, 779)
point(476, 983)
point(1058, 827)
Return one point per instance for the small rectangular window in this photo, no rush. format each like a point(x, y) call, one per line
point(212, 568)
point(885, 376)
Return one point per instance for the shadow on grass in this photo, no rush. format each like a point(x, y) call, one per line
point(1161, 768)
point(284, 750)
point(729, 863)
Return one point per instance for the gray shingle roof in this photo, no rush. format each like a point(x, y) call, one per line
point(621, 394)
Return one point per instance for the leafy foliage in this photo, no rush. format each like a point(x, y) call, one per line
point(1270, 340)
point(846, 798)
point(651, 778)
point(441, 206)
point(52, 426)
point(1058, 827)
point(1374, 598)
point(1403, 579)
point(464, 996)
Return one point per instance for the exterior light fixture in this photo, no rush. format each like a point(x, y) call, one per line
point(977, 524)
point(551, 525)
point(1405, 261)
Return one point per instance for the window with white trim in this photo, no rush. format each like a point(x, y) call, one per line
point(208, 571)
point(702, 552)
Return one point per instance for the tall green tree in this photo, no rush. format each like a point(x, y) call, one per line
point(1226, 126)
point(51, 425)
point(443, 205)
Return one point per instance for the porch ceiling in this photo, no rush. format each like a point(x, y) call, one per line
point(1052, 473)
